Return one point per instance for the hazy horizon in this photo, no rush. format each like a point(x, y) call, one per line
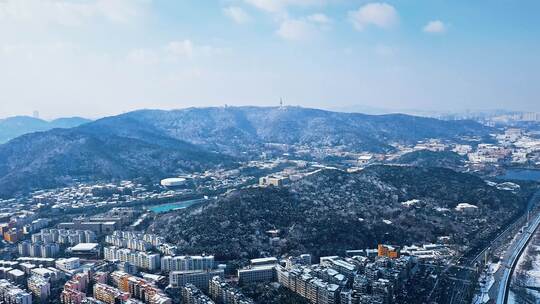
point(348, 109)
point(96, 58)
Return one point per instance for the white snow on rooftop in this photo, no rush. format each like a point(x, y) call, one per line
point(84, 246)
point(463, 206)
point(410, 203)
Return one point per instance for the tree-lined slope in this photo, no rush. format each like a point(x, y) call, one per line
point(332, 211)
point(58, 157)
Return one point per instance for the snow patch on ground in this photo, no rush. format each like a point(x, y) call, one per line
point(410, 203)
point(486, 280)
point(534, 273)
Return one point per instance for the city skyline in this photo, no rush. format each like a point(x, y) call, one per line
point(99, 58)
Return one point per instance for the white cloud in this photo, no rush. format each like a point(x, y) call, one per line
point(319, 18)
point(29, 51)
point(267, 5)
point(173, 52)
point(121, 11)
point(143, 56)
point(275, 6)
point(188, 49)
point(303, 28)
point(70, 13)
point(435, 27)
point(294, 29)
point(179, 49)
point(237, 14)
point(382, 15)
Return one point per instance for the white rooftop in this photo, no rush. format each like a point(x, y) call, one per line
point(463, 206)
point(264, 260)
point(16, 272)
point(85, 247)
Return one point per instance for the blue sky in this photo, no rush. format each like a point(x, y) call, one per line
point(102, 57)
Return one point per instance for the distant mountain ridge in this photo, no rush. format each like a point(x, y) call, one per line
point(154, 143)
point(13, 127)
point(234, 129)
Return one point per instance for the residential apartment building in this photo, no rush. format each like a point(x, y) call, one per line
point(140, 259)
point(263, 273)
point(223, 293)
point(139, 288)
point(109, 294)
point(40, 288)
point(11, 294)
point(200, 279)
point(184, 263)
point(193, 295)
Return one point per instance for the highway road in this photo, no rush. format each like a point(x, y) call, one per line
point(510, 263)
point(460, 279)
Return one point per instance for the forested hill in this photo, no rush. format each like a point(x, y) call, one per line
point(426, 158)
point(332, 211)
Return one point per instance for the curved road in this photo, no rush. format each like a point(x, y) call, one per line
point(461, 275)
point(517, 250)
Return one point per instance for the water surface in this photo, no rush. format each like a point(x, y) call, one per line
point(522, 174)
point(175, 206)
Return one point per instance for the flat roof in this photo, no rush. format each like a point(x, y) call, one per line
point(85, 247)
point(42, 271)
point(69, 259)
point(264, 260)
point(255, 268)
point(16, 272)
